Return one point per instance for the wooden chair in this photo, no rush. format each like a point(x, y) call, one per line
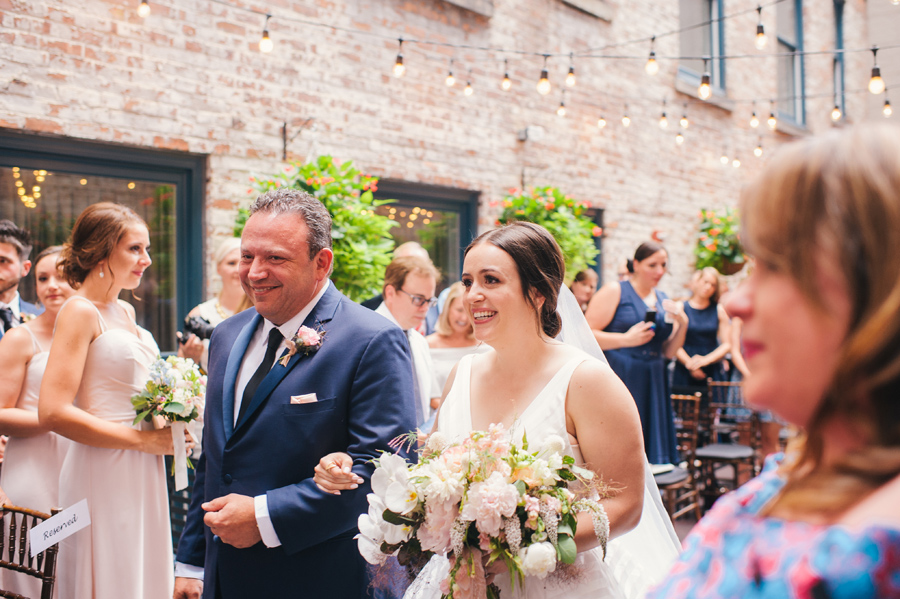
point(17, 556)
point(679, 488)
point(734, 440)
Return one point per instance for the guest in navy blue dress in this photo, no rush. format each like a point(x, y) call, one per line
point(708, 336)
point(629, 319)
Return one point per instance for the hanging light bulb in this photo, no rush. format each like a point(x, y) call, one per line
point(760, 31)
point(758, 151)
point(561, 111)
point(450, 80)
point(144, 9)
point(506, 84)
point(265, 43)
point(684, 120)
point(836, 113)
point(601, 122)
point(626, 121)
point(652, 67)
point(679, 139)
point(704, 91)
point(570, 77)
point(468, 89)
point(772, 122)
point(399, 68)
point(736, 163)
point(663, 121)
point(723, 158)
point(754, 120)
point(543, 85)
point(887, 110)
point(876, 83)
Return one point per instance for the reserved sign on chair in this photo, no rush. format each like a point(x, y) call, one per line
point(62, 525)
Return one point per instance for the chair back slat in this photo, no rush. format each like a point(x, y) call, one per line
point(42, 566)
point(686, 409)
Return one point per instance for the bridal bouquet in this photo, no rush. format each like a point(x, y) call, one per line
point(482, 500)
point(175, 391)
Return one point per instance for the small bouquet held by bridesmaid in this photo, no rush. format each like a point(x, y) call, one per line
point(175, 391)
point(482, 500)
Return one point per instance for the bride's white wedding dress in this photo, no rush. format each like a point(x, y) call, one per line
point(634, 561)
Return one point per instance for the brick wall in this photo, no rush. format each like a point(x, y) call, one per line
point(190, 77)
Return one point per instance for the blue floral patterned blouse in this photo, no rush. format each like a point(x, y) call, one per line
point(733, 552)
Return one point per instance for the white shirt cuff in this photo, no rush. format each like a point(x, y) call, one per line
point(183, 570)
point(264, 523)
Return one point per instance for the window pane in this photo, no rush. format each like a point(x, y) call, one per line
point(787, 77)
point(437, 230)
point(49, 203)
point(787, 21)
point(697, 40)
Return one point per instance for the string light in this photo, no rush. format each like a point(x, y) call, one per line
point(663, 121)
point(601, 122)
point(679, 139)
point(652, 67)
point(704, 91)
point(724, 157)
point(887, 110)
point(561, 111)
point(772, 122)
point(506, 83)
point(754, 120)
point(626, 121)
point(684, 120)
point(736, 163)
point(469, 90)
point(876, 83)
point(570, 78)
point(543, 85)
point(144, 9)
point(399, 67)
point(836, 113)
point(760, 31)
point(450, 80)
point(758, 151)
point(265, 44)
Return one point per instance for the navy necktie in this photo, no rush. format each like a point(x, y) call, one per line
point(275, 338)
point(7, 317)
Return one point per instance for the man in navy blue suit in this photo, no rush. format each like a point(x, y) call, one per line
point(15, 247)
point(258, 526)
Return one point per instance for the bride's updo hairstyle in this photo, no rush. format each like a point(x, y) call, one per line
point(95, 235)
point(539, 262)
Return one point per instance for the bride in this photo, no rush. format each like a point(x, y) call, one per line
point(534, 384)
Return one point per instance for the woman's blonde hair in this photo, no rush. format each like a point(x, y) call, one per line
point(710, 270)
point(442, 326)
point(833, 202)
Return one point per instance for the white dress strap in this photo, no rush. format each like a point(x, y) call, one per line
point(35, 344)
point(103, 326)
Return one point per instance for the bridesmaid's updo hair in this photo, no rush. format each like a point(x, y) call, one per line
point(539, 262)
point(96, 233)
point(645, 250)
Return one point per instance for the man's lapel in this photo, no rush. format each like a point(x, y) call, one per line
point(232, 367)
point(321, 314)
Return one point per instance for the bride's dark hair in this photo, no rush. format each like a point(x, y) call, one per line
point(539, 262)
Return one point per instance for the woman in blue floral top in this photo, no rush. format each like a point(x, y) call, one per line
point(821, 315)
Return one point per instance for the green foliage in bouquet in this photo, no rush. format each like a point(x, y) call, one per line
point(561, 215)
point(361, 239)
point(719, 242)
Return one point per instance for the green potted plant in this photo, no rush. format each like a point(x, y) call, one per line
point(361, 238)
point(561, 215)
point(719, 241)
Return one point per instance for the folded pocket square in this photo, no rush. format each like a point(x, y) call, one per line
point(308, 398)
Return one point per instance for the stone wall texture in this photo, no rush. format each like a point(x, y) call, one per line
point(190, 77)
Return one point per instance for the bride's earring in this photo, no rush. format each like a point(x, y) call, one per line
point(101, 272)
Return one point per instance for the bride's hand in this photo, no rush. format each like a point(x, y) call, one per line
point(334, 474)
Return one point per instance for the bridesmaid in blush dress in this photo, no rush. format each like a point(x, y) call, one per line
point(34, 456)
point(99, 359)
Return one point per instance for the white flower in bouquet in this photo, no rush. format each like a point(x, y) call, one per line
point(538, 559)
point(490, 501)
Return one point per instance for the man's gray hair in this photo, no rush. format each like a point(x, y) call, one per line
point(286, 200)
point(17, 237)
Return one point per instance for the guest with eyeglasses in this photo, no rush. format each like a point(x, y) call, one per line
point(409, 285)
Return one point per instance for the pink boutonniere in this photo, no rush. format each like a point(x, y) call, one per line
point(306, 342)
point(26, 317)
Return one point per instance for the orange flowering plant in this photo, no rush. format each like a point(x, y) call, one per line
point(563, 216)
point(361, 238)
point(719, 242)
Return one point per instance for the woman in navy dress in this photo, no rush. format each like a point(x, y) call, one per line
point(629, 321)
point(707, 339)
